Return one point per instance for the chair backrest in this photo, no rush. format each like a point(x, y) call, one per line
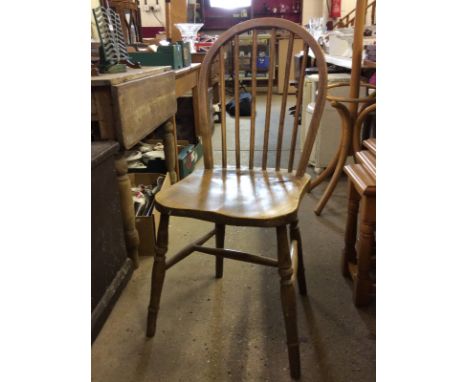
point(229, 40)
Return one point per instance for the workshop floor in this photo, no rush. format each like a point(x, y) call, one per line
point(232, 329)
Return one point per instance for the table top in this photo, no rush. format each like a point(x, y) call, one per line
point(130, 74)
point(184, 71)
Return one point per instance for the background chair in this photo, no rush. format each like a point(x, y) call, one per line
point(238, 195)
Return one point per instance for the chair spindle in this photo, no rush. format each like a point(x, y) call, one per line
point(236, 97)
point(284, 98)
point(271, 71)
point(298, 107)
point(254, 100)
point(222, 92)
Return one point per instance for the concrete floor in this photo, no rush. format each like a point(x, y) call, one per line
point(232, 329)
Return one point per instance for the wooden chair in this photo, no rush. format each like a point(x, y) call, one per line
point(246, 195)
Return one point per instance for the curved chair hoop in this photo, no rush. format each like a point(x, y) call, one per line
point(265, 23)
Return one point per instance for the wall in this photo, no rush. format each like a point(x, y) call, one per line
point(94, 32)
point(318, 8)
point(311, 8)
point(147, 18)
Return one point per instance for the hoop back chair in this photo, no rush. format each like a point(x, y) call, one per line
point(246, 195)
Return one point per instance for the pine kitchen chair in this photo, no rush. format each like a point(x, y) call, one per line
point(246, 195)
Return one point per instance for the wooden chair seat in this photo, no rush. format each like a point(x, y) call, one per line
point(263, 198)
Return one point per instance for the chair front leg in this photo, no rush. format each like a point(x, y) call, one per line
point(295, 234)
point(288, 301)
point(158, 274)
point(220, 234)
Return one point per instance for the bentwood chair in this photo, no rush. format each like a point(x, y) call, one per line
point(246, 195)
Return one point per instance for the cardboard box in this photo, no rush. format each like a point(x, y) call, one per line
point(188, 156)
point(147, 226)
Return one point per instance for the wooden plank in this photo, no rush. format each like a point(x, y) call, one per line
point(142, 105)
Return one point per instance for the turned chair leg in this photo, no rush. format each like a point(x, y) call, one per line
point(295, 234)
point(157, 276)
point(363, 283)
point(220, 233)
point(288, 301)
point(349, 251)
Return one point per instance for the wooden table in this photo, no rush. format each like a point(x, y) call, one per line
point(127, 107)
point(187, 80)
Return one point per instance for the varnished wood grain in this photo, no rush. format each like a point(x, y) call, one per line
point(143, 105)
point(235, 196)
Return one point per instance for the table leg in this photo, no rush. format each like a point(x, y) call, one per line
point(132, 240)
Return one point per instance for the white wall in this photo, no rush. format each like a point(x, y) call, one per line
point(311, 8)
point(148, 19)
point(318, 8)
